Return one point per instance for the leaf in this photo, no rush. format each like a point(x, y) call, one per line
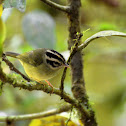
point(19, 4)
point(38, 28)
point(35, 122)
point(1, 10)
point(2, 35)
point(55, 120)
point(99, 35)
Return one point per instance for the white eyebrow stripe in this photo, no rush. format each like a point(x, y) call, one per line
point(52, 59)
point(56, 53)
point(51, 52)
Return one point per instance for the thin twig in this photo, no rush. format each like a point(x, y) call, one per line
point(11, 118)
point(65, 9)
point(11, 66)
point(70, 116)
point(85, 44)
point(75, 47)
point(73, 51)
point(100, 34)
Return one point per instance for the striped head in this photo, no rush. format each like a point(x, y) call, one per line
point(55, 60)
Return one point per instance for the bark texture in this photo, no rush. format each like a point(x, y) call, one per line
point(78, 83)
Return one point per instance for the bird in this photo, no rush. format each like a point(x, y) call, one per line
point(40, 64)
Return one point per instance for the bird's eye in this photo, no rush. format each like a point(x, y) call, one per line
point(56, 64)
point(53, 64)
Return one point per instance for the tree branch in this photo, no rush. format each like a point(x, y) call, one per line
point(73, 51)
point(78, 82)
point(65, 9)
point(11, 66)
point(37, 86)
point(64, 108)
point(100, 34)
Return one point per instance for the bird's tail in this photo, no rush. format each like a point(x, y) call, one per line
point(12, 54)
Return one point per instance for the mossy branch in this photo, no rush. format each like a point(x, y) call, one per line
point(73, 51)
point(37, 86)
point(11, 66)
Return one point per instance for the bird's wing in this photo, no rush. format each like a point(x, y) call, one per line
point(34, 57)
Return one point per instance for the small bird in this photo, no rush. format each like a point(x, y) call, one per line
point(40, 64)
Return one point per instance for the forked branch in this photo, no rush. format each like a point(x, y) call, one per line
point(65, 9)
point(73, 51)
point(36, 86)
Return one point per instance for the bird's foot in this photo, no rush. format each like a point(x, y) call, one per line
point(50, 86)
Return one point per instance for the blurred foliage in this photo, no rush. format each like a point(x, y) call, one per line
point(2, 35)
point(53, 121)
point(106, 26)
point(38, 29)
point(0, 87)
point(19, 4)
point(1, 9)
point(105, 68)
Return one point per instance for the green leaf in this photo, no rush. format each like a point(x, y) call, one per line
point(19, 4)
point(99, 35)
point(1, 9)
point(2, 35)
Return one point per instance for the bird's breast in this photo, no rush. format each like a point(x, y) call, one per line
point(40, 72)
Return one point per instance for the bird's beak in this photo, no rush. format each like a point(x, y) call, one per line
point(66, 65)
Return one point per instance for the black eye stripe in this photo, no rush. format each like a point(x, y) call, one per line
point(57, 53)
point(51, 55)
point(53, 63)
